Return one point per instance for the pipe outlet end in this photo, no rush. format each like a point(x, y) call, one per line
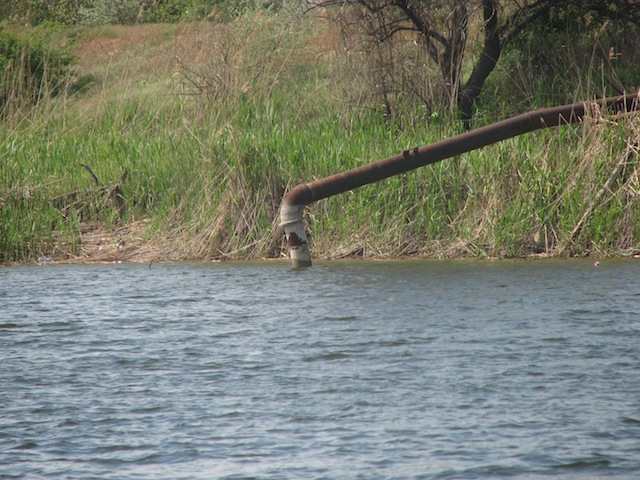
point(291, 220)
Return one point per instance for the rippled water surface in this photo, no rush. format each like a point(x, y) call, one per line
point(371, 370)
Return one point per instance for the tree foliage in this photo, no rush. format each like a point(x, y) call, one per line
point(443, 28)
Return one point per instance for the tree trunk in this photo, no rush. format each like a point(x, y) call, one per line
point(451, 65)
point(486, 64)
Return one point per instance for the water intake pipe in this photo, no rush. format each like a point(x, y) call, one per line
point(293, 203)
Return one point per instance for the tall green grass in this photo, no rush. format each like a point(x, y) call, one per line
point(204, 133)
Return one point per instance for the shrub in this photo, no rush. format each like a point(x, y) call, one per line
point(30, 71)
point(573, 55)
point(103, 12)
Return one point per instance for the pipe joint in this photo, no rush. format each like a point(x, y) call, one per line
point(291, 220)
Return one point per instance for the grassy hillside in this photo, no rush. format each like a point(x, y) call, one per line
point(180, 140)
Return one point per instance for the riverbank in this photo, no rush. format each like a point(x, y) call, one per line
point(129, 243)
point(182, 139)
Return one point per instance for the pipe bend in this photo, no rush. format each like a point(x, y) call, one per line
point(299, 195)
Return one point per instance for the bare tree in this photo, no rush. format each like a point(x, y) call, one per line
point(442, 27)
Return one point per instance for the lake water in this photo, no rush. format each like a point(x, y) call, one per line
point(347, 370)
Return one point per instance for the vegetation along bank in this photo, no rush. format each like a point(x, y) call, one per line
point(156, 131)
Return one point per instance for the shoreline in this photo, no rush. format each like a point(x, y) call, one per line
point(129, 243)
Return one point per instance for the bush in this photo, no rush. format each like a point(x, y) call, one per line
point(30, 71)
point(575, 54)
point(103, 12)
point(127, 12)
point(35, 12)
point(167, 11)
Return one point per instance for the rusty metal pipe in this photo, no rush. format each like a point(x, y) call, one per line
point(304, 194)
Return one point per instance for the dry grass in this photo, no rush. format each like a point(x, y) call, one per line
point(126, 243)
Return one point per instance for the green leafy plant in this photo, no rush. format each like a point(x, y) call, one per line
point(31, 71)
